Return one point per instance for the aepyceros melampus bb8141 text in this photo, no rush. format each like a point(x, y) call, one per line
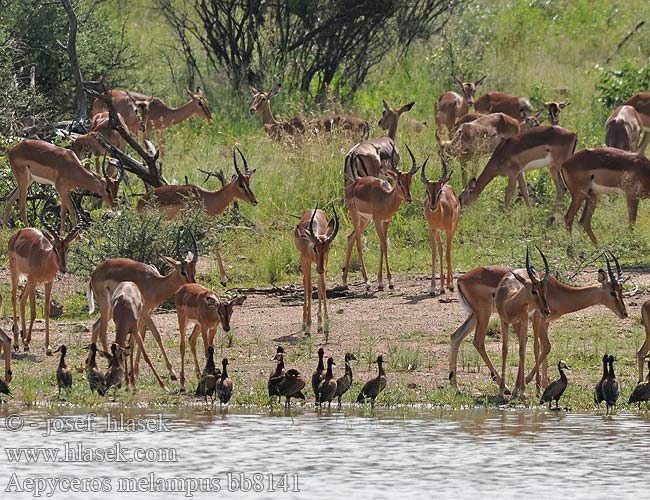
point(154, 288)
point(451, 106)
point(313, 236)
point(39, 161)
point(372, 199)
point(592, 172)
point(172, 199)
point(547, 146)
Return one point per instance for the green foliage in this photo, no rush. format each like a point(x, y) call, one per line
point(615, 85)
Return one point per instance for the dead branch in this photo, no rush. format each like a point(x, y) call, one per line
point(624, 41)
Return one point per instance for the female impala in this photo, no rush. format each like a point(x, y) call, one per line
point(46, 163)
point(372, 199)
point(451, 106)
point(441, 210)
point(37, 256)
point(641, 103)
point(171, 199)
point(313, 237)
point(496, 102)
point(87, 144)
point(623, 129)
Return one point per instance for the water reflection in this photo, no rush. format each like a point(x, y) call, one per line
point(402, 453)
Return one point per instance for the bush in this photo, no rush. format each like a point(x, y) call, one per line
point(615, 86)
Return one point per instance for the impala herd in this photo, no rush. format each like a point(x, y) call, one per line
point(493, 124)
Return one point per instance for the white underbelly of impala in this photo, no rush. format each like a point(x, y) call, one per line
point(539, 163)
point(601, 189)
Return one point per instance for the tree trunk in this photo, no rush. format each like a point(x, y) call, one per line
point(82, 106)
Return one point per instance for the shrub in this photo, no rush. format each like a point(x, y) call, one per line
point(615, 86)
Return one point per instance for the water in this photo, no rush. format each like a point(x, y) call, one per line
point(413, 453)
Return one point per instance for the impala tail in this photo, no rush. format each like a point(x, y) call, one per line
point(91, 299)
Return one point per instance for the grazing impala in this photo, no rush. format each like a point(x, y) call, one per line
point(441, 211)
point(87, 144)
point(126, 106)
point(641, 102)
point(592, 172)
point(372, 199)
point(37, 256)
point(514, 297)
point(40, 161)
point(154, 288)
point(554, 108)
point(313, 237)
point(477, 288)
point(374, 156)
point(300, 125)
point(538, 147)
point(127, 306)
point(495, 102)
point(451, 106)
point(201, 306)
point(623, 129)
point(171, 199)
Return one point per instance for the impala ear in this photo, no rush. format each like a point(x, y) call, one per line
point(386, 106)
point(189, 92)
point(254, 91)
point(602, 277)
point(274, 91)
point(406, 107)
point(563, 105)
point(170, 261)
point(479, 81)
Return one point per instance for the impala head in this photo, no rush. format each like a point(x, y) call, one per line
point(109, 186)
point(612, 286)
point(244, 192)
point(535, 287)
point(468, 88)
point(524, 107)
point(322, 242)
point(554, 109)
point(390, 115)
point(200, 102)
point(261, 99)
point(184, 266)
point(223, 309)
point(434, 188)
point(60, 246)
point(403, 179)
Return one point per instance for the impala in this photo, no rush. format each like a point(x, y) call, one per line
point(126, 106)
point(476, 290)
point(372, 199)
point(538, 147)
point(514, 297)
point(40, 161)
point(201, 306)
point(171, 199)
point(623, 129)
point(313, 236)
point(495, 102)
point(451, 106)
point(441, 211)
point(127, 306)
point(87, 144)
point(641, 102)
point(592, 172)
point(374, 156)
point(300, 125)
point(479, 137)
point(554, 108)
point(37, 256)
point(154, 287)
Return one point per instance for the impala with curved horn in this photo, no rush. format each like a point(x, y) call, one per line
point(313, 237)
point(441, 211)
point(514, 297)
point(154, 287)
point(172, 199)
point(37, 256)
point(373, 199)
point(33, 160)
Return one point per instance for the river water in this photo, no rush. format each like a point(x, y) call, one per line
point(302, 453)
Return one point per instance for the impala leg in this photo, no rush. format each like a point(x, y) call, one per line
point(307, 291)
point(521, 329)
point(560, 188)
point(456, 339)
point(632, 210)
point(348, 253)
point(442, 275)
point(6, 349)
point(645, 347)
point(644, 143)
point(48, 293)
point(142, 350)
point(14, 297)
point(32, 315)
point(322, 299)
point(479, 344)
point(22, 201)
point(222, 270)
point(585, 221)
point(193, 339)
point(449, 240)
point(504, 358)
point(577, 198)
point(9, 201)
point(154, 331)
point(383, 249)
point(432, 240)
point(542, 347)
point(182, 323)
point(521, 180)
point(510, 191)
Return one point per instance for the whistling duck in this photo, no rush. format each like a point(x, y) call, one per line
point(93, 375)
point(115, 373)
point(291, 386)
point(276, 375)
point(208, 382)
point(343, 383)
point(63, 372)
point(555, 389)
point(317, 376)
point(327, 387)
point(224, 384)
point(642, 390)
point(598, 391)
point(4, 388)
point(374, 386)
point(611, 390)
